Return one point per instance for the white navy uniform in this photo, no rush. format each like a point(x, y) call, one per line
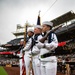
point(20, 60)
point(27, 56)
point(27, 49)
point(48, 61)
point(20, 55)
point(49, 64)
point(36, 61)
point(35, 51)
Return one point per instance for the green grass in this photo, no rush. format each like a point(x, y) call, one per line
point(2, 71)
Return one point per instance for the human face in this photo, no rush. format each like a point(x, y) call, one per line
point(37, 31)
point(30, 33)
point(21, 42)
point(45, 28)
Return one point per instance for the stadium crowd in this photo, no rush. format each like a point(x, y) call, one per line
point(66, 64)
point(12, 62)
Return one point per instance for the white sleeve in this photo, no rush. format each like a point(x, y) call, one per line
point(53, 45)
point(39, 37)
point(39, 44)
point(35, 50)
point(28, 45)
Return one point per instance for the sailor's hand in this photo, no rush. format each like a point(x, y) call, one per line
point(14, 53)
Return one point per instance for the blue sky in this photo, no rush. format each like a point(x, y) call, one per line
point(13, 12)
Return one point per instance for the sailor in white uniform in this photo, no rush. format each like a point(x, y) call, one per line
point(36, 51)
point(34, 45)
point(27, 50)
point(47, 57)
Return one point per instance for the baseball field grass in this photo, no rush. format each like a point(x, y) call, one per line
point(2, 71)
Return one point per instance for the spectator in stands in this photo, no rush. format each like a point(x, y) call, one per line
point(67, 66)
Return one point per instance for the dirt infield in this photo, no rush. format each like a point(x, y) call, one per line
point(12, 70)
point(16, 71)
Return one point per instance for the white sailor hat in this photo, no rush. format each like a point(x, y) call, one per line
point(31, 30)
point(47, 23)
point(22, 40)
point(38, 26)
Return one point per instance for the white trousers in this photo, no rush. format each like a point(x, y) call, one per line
point(49, 67)
point(20, 64)
point(27, 60)
point(36, 66)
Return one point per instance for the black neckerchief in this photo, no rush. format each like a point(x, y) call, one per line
point(36, 36)
point(49, 37)
point(28, 38)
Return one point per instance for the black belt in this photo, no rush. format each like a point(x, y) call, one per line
point(47, 55)
point(20, 57)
